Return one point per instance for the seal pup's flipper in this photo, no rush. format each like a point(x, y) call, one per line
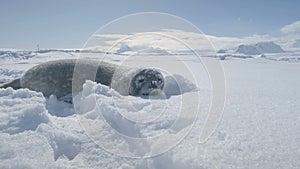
point(15, 84)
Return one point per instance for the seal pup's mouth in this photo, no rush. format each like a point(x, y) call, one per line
point(152, 92)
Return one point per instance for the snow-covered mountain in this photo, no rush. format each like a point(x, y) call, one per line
point(296, 44)
point(260, 48)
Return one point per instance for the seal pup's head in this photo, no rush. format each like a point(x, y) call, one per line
point(146, 82)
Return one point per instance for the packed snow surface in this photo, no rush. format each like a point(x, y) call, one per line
point(259, 127)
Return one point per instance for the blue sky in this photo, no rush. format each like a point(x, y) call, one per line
point(69, 23)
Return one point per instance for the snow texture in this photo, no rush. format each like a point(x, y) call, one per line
point(259, 128)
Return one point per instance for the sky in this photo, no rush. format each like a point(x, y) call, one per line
point(69, 23)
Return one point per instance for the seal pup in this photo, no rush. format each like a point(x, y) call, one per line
point(62, 77)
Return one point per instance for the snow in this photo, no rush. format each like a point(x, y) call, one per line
point(177, 84)
point(259, 127)
point(14, 117)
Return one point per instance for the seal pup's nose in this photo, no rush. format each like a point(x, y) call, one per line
point(154, 84)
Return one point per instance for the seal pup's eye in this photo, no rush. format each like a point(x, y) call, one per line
point(159, 80)
point(141, 80)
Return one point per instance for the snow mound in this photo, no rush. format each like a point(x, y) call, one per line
point(32, 137)
point(107, 116)
point(21, 110)
point(259, 48)
point(221, 51)
point(17, 54)
point(60, 107)
point(177, 84)
point(62, 142)
point(25, 150)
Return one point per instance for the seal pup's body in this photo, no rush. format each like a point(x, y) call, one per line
point(63, 77)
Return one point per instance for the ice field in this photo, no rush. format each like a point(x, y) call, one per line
point(259, 127)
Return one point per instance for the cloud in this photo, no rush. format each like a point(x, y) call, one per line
point(173, 40)
point(291, 28)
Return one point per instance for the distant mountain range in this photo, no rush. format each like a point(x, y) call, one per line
point(260, 48)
